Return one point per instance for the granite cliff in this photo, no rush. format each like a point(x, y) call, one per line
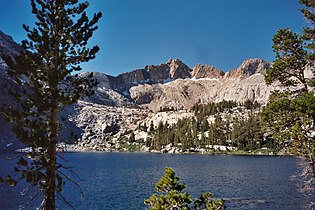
point(205, 84)
point(121, 103)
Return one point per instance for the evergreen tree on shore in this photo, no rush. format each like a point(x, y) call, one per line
point(170, 196)
point(53, 51)
point(290, 115)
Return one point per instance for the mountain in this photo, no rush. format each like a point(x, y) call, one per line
point(174, 84)
point(206, 71)
point(248, 68)
point(121, 103)
point(206, 84)
point(151, 74)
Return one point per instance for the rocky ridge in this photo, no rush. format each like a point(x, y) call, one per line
point(206, 71)
point(121, 103)
point(206, 84)
point(151, 74)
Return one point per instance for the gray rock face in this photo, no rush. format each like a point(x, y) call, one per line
point(207, 85)
point(159, 73)
point(252, 88)
point(7, 47)
point(178, 69)
point(104, 94)
point(249, 67)
point(94, 122)
point(206, 71)
point(124, 81)
point(151, 74)
point(179, 94)
point(170, 85)
point(144, 94)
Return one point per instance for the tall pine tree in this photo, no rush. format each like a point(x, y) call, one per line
point(291, 114)
point(53, 51)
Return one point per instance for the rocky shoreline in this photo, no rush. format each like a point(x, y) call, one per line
point(215, 150)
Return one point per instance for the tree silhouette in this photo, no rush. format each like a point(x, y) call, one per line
point(290, 114)
point(53, 51)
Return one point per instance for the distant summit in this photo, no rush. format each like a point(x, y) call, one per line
point(120, 102)
point(206, 71)
point(248, 68)
point(175, 69)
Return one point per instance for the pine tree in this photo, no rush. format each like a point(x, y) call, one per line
point(132, 137)
point(219, 130)
point(309, 31)
point(171, 196)
point(53, 51)
point(291, 62)
point(295, 106)
point(202, 140)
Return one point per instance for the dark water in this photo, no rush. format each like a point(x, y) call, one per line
point(124, 180)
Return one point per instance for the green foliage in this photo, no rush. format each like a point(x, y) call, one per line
point(294, 53)
point(291, 120)
point(132, 138)
point(43, 72)
point(189, 134)
point(251, 105)
point(247, 133)
point(309, 31)
point(289, 116)
point(217, 131)
point(292, 108)
point(171, 196)
point(169, 182)
point(215, 108)
point(206, 201)
point(202, 110)
point(291, 60)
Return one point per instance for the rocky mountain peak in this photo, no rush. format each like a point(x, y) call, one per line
point(206, 71)
point(158, 73)
point(178, 69)
point(254, 66)
point(108, 110)
point(248, 68)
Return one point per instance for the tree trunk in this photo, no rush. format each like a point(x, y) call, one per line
point(51, 155)
point(312, 165)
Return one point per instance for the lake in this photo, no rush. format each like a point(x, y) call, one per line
point(124, 180)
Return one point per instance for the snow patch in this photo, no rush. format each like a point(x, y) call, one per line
point(208, 79)
point(168, 80)
point(255, 75)
point(145, 81)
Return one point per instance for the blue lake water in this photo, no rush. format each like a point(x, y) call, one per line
point(124, 180)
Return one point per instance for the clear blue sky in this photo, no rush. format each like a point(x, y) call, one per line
point(134, 33)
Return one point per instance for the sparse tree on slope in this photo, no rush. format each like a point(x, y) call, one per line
point(53, 51)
